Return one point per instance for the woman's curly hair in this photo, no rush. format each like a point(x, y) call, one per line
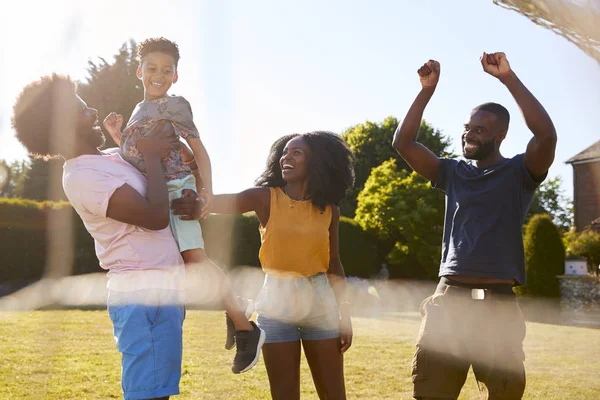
point(330, 167)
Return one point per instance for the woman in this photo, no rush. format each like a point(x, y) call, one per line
point(303, 299)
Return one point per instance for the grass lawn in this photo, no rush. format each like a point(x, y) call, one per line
point(71, 355)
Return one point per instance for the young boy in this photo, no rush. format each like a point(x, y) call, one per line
point(158, 71)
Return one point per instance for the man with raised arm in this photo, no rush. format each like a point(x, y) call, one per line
point(473, 318)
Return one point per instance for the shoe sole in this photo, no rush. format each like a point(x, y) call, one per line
point(261, 341)
point(248, 313)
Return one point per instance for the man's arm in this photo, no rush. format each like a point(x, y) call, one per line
point(541, 148)
point(417, 156)
point(150, 212)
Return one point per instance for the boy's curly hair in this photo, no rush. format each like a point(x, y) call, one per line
point(34, 112)
point(330, 167)
point(160, 45)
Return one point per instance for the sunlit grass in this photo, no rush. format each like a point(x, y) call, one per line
point(72, 355)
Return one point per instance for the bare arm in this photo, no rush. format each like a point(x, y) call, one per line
point(113, 123)
point(254, 199)
point(150, 212)
point(203, 163)
point(417, 156)
point(541, 148)
point(337, 280)
point(249, 200)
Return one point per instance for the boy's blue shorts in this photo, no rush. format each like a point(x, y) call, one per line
point(148, 331)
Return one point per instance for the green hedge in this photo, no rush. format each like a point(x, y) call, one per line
point(358, 250)
point(24, 232)
point(230, 240)
point(544, 257)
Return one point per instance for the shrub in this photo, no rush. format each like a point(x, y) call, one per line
point(24, 233)
point(230, 240)
point(544, 256)
point(358, 250)
point(585, 244)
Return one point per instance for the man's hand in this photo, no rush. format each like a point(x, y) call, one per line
point(113, 123)
point(429, 74)
point(496, 65)
point(157, 143)
point(189, 206)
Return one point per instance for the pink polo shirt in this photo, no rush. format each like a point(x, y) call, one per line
point(136, 258)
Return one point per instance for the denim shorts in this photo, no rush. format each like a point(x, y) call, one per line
point(148, 331)
point(188, 234)
point(293, 309)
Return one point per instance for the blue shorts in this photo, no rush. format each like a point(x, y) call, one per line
point(296, 309)
point(148, 331)
point(188, 234)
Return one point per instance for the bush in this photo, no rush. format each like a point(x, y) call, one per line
point(407, 218)
point(544, 257)
point(231, 240)
point(358, 250)
point(585, 244)
point(235, 240)
point(24, 233)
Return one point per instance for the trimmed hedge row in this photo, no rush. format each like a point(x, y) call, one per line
point(230, 240)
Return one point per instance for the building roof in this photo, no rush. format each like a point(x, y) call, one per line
point(590, 153)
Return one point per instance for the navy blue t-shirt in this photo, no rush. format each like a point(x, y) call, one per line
point(485, 211)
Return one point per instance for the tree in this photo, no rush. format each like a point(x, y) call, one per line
point(550, 199)
point(585, 244)
point(114, 86)
point(15, 175)
point(401, 208)
point(5, 179)
point(576, 21)
point(544, 256)
point(372, 145)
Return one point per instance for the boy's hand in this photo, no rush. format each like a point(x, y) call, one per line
point(157, 143)
point(113, 123)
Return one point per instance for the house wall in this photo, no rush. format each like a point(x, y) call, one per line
point(586, 182)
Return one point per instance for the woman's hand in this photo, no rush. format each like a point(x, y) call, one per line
point(345, 328)
point(345, 334)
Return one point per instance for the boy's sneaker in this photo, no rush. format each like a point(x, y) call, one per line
point(248, 306)
point(248, 349)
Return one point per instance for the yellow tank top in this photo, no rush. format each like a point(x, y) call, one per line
point(295, 241)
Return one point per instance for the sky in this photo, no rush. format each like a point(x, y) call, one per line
point(254, 71)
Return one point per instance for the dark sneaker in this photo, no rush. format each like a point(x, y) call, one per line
point(248, 348)
point(248, 306)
